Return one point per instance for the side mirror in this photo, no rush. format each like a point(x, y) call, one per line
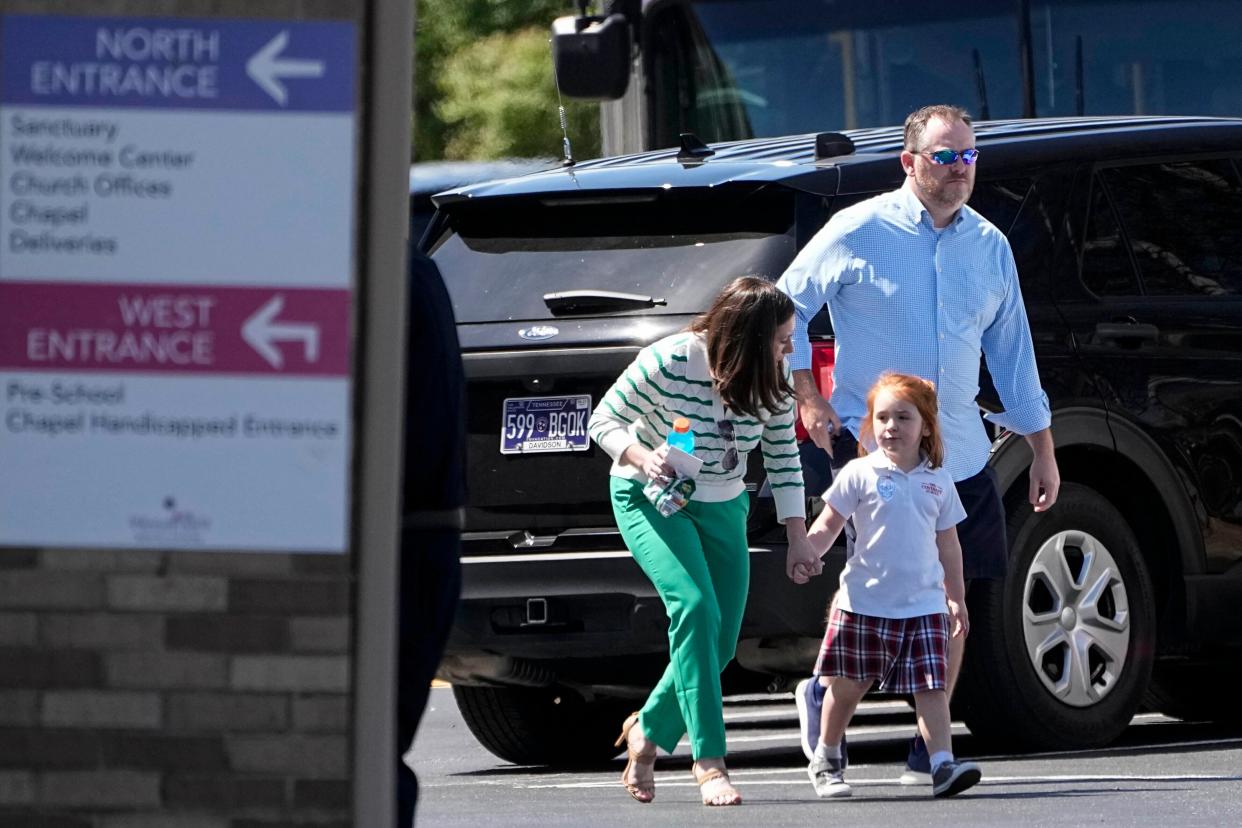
point(591, 56)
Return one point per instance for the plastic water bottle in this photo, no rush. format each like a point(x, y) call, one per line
point(670, 496)
point(681, 436)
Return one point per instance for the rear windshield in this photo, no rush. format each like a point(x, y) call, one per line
point(501, 257)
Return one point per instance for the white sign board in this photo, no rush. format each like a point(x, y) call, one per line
point(176, 282)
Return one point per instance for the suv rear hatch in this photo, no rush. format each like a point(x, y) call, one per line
point(554, 295)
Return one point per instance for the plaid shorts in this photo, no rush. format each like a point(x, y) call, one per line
point(906, 655)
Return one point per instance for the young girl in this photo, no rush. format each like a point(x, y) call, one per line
point(726, 375)
point(902, 586)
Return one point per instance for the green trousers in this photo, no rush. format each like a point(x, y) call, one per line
point(699, 562)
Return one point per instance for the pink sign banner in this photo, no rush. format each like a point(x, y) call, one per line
point(141, 328)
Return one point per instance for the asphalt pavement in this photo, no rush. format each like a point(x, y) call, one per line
point(1161, 772)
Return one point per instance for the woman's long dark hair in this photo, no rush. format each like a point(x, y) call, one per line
point(740, 329)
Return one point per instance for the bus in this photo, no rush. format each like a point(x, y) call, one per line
point(729, 70)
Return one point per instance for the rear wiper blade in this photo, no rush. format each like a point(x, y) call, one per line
point(594, 301)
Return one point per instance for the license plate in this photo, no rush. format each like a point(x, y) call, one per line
point(538, 424)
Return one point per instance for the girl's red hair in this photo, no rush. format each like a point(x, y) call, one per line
point(922, 395)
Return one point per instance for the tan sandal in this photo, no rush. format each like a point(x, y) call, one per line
point(713, 775)
point(641, 792)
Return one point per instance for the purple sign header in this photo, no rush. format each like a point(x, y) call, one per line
point(178, 63)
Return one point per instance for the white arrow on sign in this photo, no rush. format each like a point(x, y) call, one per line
point(266, 68)
point(260, 332)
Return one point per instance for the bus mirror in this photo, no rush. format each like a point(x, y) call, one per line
point(591, 56)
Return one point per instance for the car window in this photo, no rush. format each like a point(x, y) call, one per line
point(501, 257)
point(1033, 232)
point(1106, 266)
point(999, 201)
point(1182, 221)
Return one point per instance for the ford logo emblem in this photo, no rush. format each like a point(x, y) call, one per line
point(539, 332)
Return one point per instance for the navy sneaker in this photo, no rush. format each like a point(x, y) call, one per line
point(951, 778)
point(918, 764)
point(809, 696)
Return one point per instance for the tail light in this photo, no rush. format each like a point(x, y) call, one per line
point(822, 359)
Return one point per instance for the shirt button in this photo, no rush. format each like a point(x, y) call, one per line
point(942, 336)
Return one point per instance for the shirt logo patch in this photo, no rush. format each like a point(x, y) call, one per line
point(932, 489)
point(886, 488)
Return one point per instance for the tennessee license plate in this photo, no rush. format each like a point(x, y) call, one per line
point(539, 424)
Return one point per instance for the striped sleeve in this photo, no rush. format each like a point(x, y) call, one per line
point(630, 398)
point(783, 463)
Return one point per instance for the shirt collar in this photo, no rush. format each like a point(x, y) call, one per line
point(879, 460)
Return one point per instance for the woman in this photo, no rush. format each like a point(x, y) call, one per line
point(726, 374)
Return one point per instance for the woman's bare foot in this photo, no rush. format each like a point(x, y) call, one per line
point(714, 784)
point(639, 774)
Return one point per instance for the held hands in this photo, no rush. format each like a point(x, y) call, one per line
point(801, 559)
point(959, 618)
point(802, 562)
point(803, 573)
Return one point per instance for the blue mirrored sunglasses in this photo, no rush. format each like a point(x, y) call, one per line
point(944, 157)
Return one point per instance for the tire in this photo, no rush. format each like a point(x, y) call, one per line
point(536, 726)
point(1077, 584)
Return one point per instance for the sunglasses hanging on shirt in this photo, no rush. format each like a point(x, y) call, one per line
point(725, 429)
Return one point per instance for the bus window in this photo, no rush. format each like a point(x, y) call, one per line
point(1158, 57)
point(737, 69)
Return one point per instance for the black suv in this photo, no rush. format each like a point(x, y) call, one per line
point(1128, 238)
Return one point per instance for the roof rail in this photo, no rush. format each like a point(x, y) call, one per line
point(832, 144)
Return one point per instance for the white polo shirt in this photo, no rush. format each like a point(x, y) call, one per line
point(894, 571)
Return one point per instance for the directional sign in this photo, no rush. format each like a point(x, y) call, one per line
point(171, 329)
point(176, 281)
point(139, 150)
point(178, 63)
point(268, 69)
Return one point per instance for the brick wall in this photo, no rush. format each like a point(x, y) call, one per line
point(204, 690)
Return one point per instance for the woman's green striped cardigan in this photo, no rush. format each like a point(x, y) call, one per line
point(670, 379)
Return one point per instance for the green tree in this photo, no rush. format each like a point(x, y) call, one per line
point(498, 100)
point(483, 82)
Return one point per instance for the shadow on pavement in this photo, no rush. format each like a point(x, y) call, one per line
point(869, 749)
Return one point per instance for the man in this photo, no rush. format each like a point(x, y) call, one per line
point(917, 282)
point(434, 493)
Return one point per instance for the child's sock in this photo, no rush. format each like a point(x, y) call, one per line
point(940, 757)
point(825, 752)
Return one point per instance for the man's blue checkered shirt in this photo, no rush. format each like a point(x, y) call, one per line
point(906, 297)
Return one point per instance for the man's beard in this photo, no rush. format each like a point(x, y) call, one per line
point(941, 191)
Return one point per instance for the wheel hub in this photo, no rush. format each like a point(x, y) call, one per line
point(1076, 618)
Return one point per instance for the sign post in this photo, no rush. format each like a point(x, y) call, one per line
point(177, 215)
